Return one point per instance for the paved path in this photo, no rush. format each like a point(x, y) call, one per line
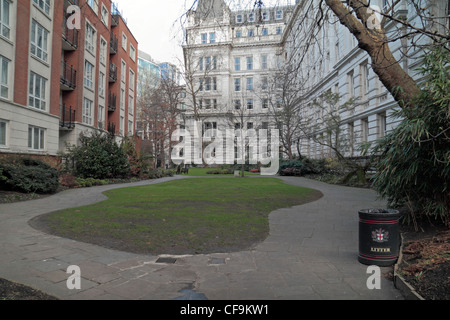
point(311, 253)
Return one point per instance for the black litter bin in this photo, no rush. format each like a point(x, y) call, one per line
point(379, 240)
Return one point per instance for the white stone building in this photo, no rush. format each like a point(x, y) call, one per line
point(230, 57)
point(331, 61)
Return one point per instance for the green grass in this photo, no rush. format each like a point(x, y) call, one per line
point(197, 215)
point(201, 172)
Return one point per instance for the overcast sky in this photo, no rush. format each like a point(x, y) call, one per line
point(156, 24)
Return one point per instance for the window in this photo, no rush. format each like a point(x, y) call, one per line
point(237, 84)
point(132, 52)
point(237, 64)
point(122, 99)
point(265, 103)
point(249, 63)
point(44, 5)
point(212, 37)
point(239, 18)
point(382, 124)
point(264, 83)
point(251, 32)
point(101, 117)
point(351, 139)
point(90, 38)
point(214, 83)
point(364, 70)
point(103, 51)
point(238, 33)
point(89, 75)
point(250, 84)
point(266, 16)
point(204, 38)
point(122, 72)
point(36, 138)
point(105, 15)
point(4, 70)
point(101, 84)
point(249, 125)
point(250, 104)
point(3, 125)
point(124, 41)
point(130, 127)
point(208, 84)
point(265, 31)
point(200, 64)
point(87, 111)
point(365, 129)
point(279, 30)
point(37, 92)
point(39, 41)
point(251, 17)
point(4, 18)
point(94, 5)
point(350, 84)
point(208, 63)
point(132, 82)
point(237, 104)
point(264, 62)
point(279, 14)
point(131, 104)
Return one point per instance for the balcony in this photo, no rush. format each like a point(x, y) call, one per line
point(68, 77)
point(113, 44)
point(112, 102)
point(114, 15)
point(67, 120)
point(68, 3)
point(70, 38)
point(112, 72)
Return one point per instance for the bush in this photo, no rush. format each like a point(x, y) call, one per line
point(98, 157)
point(413, 167)
point(89, 182)
point(29, 176)
point(303, 167)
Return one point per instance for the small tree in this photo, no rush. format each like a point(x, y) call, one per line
point(414, 164)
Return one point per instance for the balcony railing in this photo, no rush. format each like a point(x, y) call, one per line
point(112, 102)
point(68, 77)
point(113, 44)
point(70, 37)
point(67, 119)
point(112, 72)
point(68, 3)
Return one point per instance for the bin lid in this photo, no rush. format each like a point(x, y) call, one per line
point(379, 214)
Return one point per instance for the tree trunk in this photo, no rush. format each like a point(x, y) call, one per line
point(396, 80)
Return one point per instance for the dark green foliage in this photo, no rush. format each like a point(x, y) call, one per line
point(29, 176)
point(414, 164)
point(98, 156)
point(302, 167)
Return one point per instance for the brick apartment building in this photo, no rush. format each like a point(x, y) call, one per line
point(56, 81)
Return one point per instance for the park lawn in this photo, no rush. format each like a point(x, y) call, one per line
point(189, 216)
point(201, 172)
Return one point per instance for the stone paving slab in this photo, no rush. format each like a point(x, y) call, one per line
point(310, 253)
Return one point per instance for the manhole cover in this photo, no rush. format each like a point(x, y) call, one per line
point(217, 261)
point(166, 260)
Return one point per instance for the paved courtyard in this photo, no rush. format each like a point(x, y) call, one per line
point(311, 253)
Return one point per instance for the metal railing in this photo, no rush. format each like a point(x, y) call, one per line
point(67, 119)
point(68, 76)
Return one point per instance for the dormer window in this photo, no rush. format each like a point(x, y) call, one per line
point(239, 18)
point(251, 17)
